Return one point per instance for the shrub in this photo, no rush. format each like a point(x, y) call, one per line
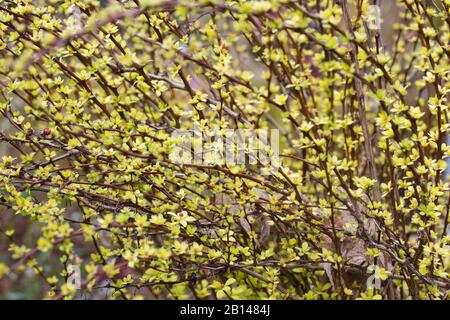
point(354, 206)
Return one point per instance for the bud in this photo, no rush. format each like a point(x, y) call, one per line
point(47, 131)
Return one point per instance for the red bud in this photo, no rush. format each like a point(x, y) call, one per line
point(46, 131)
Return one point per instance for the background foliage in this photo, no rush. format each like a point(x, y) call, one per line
point(91, 91)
